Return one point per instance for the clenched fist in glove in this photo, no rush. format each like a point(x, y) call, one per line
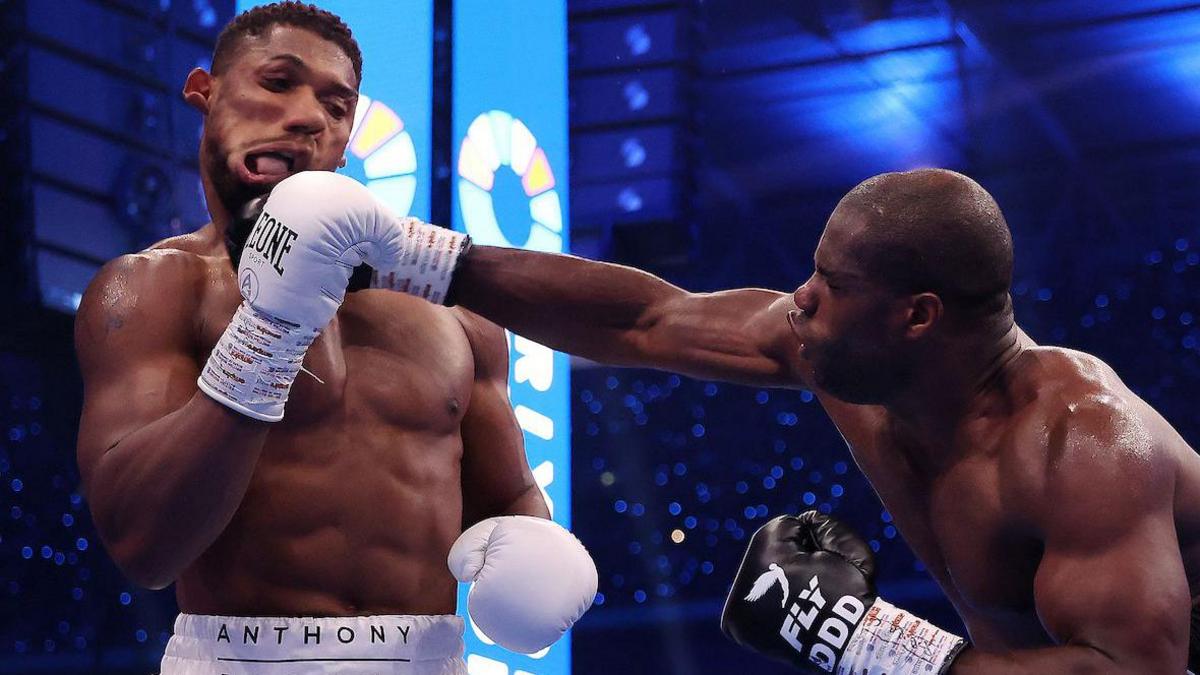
point(805, 594)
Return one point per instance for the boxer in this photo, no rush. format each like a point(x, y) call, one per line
point(313, 469)
point(1057, 510)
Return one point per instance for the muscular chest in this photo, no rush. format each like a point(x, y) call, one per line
point(987, 558)
point(965, 529)
point(385, 358)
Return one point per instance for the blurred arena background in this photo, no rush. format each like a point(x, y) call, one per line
point(708, 141)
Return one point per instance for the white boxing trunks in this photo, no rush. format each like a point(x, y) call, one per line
point(400, 645)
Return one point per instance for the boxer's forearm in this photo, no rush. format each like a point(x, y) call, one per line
point(530, 503)
point(623, 316)
point(570, 304)
point(165, 492)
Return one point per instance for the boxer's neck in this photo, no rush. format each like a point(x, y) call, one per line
point(228, 228)
point(971, 380)
point(222, 219)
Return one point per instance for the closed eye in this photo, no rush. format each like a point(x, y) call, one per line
point(336, 110)
point(825, 278)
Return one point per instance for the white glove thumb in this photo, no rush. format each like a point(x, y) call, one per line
point(532, 580)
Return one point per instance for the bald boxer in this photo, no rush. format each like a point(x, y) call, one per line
point(311, 468)
point(1058, 511)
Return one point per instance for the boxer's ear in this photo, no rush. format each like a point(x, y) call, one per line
point(924, 312)
point(197, 89)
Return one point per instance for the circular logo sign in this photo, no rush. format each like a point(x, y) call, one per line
point(496, 139)
point(389, 158)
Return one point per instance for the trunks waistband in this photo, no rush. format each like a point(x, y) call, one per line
point(379, 639)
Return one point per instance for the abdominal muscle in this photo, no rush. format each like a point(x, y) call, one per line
point(341, 519)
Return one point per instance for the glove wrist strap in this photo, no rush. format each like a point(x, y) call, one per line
point(891, 640)
point(253, 365)
point(427, 265)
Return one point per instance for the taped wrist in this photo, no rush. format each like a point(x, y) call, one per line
point(894, 641)
point(253, 365)
point(428, 262)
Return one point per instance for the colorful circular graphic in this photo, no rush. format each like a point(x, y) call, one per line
point(389, 159)
point(496, 138)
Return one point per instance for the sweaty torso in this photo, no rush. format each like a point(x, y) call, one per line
point(975, 524)
point(356, 497)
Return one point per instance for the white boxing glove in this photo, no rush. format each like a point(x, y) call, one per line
point(314, 228)
point(533, 580)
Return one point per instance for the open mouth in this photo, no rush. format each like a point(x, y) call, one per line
point(268, 167)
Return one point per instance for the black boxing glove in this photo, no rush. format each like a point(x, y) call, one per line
point(805, 594)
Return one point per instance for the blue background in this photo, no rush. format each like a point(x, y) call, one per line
point(709, 142)
point(511, 55)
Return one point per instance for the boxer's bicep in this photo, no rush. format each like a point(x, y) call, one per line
point(1113, 597)
point(496, 478)
point(1126, 598)
point(134, 351)
point(1111, 575)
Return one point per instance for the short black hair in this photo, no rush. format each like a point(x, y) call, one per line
point(934, 230)
point(256, 21)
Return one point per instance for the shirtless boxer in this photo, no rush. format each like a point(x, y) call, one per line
point(1059, 512)
point(330, 539)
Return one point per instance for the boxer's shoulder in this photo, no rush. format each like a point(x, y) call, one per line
point(179, 260)
point(1053, 384)
point(1070, 392)
point(149, 277)
point(479, 330)
point(488, 343)
point(199, 242)
point(1067, 365)
point(139, 303)
point(1084, 434)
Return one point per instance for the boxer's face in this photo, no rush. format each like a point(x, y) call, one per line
point(851, 327)
point(284, 104)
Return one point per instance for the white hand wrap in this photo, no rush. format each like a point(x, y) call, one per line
point(253, 365)
point(532, 580)
point(892, 641)
point(314, 228)
point(425, 269)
